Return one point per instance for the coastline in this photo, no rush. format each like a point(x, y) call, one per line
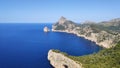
point(72, 32)
point(100, 35)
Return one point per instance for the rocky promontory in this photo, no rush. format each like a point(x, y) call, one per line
point(100, 33)
point(59, 60)
point(105, 34)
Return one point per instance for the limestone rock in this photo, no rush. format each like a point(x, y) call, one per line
point(58, 60)
point(102, 35)
point(46, 29)
point(62, 20)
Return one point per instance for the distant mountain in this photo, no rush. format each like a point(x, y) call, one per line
point(63, 24)
point(62, 20)
point(113, 22)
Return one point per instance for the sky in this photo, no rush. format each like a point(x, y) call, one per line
point(49, 11)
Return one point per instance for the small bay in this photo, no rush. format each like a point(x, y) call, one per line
point(24, 45)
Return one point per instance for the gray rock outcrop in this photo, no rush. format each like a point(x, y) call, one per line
point(46, 29)
point(105, 36)
point(58, 60)
point(62, 20)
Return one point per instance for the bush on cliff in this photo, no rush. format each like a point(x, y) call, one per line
point(107, 58)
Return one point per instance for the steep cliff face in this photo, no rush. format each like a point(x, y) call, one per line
point(62, 20)
point(58, 60)
point(105, 34)
point(102, 35)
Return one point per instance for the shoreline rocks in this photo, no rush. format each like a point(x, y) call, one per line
point(93, 32)
point(104, 37)
point(88, 38)
point(46, 29)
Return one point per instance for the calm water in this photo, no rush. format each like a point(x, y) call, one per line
point(26, 45)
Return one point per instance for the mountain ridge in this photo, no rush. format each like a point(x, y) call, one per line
point(97, 32)
point(100, 33)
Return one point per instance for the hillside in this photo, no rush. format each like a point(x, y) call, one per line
point(107, 58)
point(104, 35)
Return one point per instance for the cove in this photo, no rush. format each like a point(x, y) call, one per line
point(27, 45)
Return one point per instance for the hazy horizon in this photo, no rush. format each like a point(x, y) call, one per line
point(45, 11)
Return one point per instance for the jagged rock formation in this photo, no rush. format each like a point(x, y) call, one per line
point(46, 29)
point(103, 35)
point(62, 20)
point(58, 60)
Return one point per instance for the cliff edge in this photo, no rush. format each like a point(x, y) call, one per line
point(101, 33)
point(97, 60)
point(59, 60)
point(105, 34)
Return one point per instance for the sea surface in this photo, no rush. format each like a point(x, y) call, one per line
point(25, 45)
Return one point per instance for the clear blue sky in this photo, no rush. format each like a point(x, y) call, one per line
point(51, 10)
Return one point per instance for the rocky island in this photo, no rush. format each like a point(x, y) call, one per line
point(105, 34)
point(46, 29)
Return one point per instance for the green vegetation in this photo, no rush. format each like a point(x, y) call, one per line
point(107, 58)
point(110, 29)
point(60, 27)
point(58, 51)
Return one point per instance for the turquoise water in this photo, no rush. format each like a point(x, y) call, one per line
point(27, 46)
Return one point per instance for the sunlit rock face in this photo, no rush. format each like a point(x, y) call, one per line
point(46, 29)
point(62, 20)
point(58, 60)
point(105, 34)
point(63, 24)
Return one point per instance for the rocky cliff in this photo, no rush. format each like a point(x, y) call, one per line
point(105, 36)
point(59, 60)
point(97, 60)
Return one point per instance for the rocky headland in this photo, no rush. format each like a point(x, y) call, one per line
point(105, 34)
point(101, 33)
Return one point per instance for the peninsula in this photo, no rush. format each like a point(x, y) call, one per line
point(105, 34)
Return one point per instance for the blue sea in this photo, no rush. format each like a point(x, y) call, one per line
point(25, 45)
